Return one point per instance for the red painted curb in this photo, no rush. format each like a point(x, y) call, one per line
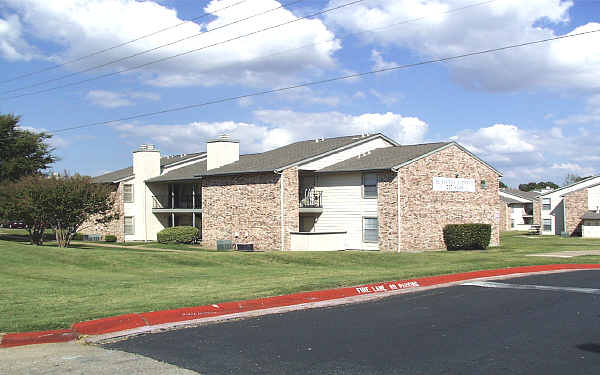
point(40, 337)
point(131, 321)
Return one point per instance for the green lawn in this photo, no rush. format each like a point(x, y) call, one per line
point(47, 287)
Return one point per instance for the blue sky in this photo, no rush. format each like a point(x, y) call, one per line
point(532, 112)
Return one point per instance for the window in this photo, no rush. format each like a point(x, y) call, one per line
point(512, 223)
point(370, 229)
point(129, 227)
point(370, 186)
point(128, 193)
point(547, 225)
point(546, 204)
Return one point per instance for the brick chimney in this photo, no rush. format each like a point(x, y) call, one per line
point(222, 151)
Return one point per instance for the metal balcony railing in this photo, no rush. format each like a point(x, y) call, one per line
point(179, 201)
point(311, 199)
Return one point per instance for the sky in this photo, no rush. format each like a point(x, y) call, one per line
point(532, 112)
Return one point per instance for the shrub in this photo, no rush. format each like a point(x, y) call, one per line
point(78, 237)
point(467, 236)
point(178, 235)
point(110, 238)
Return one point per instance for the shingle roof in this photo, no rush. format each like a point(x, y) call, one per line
point(267, 161)
point(591, 215)
point(285, 156)
point(384, 158)
point(127, 172)
point(529, 195)
point(188, 172)
point(573, 184)
point(508, 200)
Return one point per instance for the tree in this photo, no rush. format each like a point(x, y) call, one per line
point(22, 152)
point(62, 203)
point(26, 200)
point(573, 178)
point(503, 185)
point(538, 186)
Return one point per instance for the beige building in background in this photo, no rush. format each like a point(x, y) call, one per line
point(363, 192)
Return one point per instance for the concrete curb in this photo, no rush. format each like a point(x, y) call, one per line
point(116, 327)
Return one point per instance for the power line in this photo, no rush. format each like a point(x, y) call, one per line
point(96, 67)
point(119, 45)
point(314, 83)
point(344, 36)
point(182, 53)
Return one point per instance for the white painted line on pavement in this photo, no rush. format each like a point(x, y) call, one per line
point(490, 284)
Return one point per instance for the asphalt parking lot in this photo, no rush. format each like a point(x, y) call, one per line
point(543, 324)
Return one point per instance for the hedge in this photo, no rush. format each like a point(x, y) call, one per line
point(467, 236)
point(110, 238)
point(178, 235)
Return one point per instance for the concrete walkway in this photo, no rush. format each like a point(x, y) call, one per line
point(74, 358)
point(113, 245)
point(567, 254)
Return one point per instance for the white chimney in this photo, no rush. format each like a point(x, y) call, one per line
point(222, 151)
point(146, 162)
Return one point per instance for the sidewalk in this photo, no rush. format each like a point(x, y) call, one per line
point(139, 323)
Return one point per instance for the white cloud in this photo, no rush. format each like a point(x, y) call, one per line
point(12, 45)
point(111, 99)
point(379, 62)
point(568, 63)
point(277, 128)
point(80, 27)
point(57, 142)
point(591, 114)
point(526, 155)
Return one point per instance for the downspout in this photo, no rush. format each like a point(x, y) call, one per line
point(281, 203)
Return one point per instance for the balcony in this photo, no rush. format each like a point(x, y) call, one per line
point(311, 201)
point(177, 203)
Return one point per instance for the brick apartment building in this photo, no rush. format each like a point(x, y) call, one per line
point(363, 192)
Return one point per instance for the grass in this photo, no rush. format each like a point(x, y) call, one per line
point(48, 288)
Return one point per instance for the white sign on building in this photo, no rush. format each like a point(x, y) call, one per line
point(453, 184)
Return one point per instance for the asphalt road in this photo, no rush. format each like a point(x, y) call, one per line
point(455, 330)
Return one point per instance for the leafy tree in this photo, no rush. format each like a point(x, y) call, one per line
point(573, 178)
point(63, 203)
point(538, 186)
point(26, 200)
point(503, 185)
point(22, 152)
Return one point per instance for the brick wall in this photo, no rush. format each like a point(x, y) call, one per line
point(576, 205)
point(504, 217)
point(249, 203)
point(537, 212)
point(387, 211)
point(424, 212)
point(291, 199)
point(115, 227)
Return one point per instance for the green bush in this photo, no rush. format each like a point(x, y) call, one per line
point(467, 236)
point(178, 235)
point(77, 237)
point(110, 238)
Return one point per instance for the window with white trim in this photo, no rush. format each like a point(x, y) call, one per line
point(369, 186)
point(128, 193)
point(546, 204)
point(547, 225)
point(370, 229)
point(129, 227)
